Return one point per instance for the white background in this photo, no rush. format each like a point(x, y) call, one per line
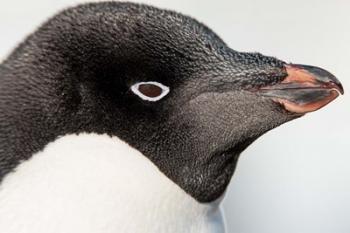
point(295, 179)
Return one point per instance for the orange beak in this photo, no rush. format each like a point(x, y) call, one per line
point(305, 89)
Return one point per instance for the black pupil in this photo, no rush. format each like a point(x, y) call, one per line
point(150, 90)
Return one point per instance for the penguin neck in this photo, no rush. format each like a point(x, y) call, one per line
point(96, 183)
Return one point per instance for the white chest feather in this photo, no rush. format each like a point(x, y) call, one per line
point(98, 184)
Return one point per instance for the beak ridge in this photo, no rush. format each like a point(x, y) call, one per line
point(318, 77)
point(304, 89)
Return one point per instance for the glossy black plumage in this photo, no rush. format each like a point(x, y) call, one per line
point(74, 75)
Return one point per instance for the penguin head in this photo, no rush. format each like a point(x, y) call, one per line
point(162, 82)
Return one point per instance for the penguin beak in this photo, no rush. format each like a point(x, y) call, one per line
point(305, 89)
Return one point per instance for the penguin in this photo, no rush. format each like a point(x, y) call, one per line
point(122, 117)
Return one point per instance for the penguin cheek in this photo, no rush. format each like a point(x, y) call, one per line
point(150, 91)
point(231, 117)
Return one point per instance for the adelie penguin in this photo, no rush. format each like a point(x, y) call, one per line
point(120, 117)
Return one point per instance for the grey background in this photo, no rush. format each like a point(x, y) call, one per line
point(295, 179)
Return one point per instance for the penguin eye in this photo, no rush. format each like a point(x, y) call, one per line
point(150, 91)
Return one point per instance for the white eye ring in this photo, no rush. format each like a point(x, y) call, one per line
point(136, 89)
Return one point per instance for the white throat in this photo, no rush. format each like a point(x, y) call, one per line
point(98, 184)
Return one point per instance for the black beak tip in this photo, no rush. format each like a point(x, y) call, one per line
point(341, 89)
